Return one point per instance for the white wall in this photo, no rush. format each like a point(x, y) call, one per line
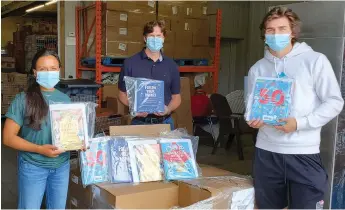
point(70, 62)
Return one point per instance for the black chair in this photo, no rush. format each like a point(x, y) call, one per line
point(233, 125)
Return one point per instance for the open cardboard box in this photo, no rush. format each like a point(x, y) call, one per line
point(164, 195)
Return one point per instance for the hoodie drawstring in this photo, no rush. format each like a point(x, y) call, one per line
point(284, 68)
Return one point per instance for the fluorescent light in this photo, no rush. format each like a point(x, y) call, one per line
point(51, 2)
point(35, 8)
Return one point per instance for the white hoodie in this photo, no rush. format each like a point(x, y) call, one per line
point(316, 99)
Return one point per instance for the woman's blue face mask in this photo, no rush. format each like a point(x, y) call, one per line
point(48, 79)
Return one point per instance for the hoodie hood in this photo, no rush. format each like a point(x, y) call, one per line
point(298, 49)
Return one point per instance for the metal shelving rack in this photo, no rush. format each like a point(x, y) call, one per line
point(99, 68)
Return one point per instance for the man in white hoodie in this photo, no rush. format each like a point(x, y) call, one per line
point(287, 156)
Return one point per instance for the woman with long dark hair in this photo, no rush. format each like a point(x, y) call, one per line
point(42, 168)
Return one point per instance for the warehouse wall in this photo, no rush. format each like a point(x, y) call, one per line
point(241, 45)
point(69, 29)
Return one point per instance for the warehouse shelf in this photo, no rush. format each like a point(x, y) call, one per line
point(81, 47)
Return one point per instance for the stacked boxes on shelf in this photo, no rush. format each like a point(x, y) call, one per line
point(122, 34)
point(11, 85)
point(34, 43)
point(189, 25)
point(8, 62)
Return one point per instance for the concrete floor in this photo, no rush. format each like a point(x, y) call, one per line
point(227, 160)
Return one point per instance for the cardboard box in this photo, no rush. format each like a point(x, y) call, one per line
point(153, 195)
point(130, 34)
point(147, 7)
point(126, 120)
point(139, 130)
point(121, 48)
point(184, 113)
point(82, 196)
point(228, 192)
point(166, 20)
point(183, 51)
point(139, 20)
point(110, 91)
point(168, 49)
point(116, 106)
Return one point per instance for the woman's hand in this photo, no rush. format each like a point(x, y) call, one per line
point(49, 150)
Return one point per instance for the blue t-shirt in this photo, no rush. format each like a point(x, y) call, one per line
point(141, 66)
point(16, 112)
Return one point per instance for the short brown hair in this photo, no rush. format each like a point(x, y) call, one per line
point(148, 28)
point(278, 12)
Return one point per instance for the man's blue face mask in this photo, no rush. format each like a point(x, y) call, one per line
point(155, 44)
point(277, 42)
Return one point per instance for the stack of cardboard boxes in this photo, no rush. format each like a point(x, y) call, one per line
point(189, 29)
point(11, 85)
point(123, 22)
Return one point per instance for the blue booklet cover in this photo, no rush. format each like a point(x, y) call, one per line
point(149, 96)
point(94, 162)
point(119, 162)
point(145, 95)
point(178, 159)
point(271, 100)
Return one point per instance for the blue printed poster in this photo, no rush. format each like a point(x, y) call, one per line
point(94, 162)
point(178, 159)
point(149, 96)
point(119, 162)
point(272, 100)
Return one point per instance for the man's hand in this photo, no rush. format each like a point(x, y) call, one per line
point(166, 112)
point(49, 150)
point(256, 123)
point(290, 126)
point(141, 114)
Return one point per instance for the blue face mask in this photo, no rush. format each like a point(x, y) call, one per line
point(155, 44)
point(48, 79)
point(277, 42)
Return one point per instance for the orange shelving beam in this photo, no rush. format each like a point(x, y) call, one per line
point(99, 68)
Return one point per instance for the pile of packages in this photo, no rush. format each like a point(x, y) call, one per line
point(149, 167)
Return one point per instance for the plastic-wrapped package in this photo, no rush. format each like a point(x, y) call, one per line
point(270, 100)
point(146, 160)
point(224, 192)
point(119, 162)
point(94, 162)
point(182, 133)
point(178, 159)
point(145, 95)
point(70, 125)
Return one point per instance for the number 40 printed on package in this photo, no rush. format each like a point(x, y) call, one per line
point(271, 100)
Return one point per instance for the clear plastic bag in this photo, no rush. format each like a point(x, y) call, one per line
point(144, 95)
point(233, 193)
point(270, 100)
point(94, 162)
point(146, 159)
point(178, 159)
point(182, 133)
point(119, 162)
point(72, 124)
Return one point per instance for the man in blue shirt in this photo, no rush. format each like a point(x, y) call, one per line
point(150, 63)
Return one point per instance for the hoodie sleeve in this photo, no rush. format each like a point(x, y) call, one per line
point(250, 85)
point(328, 91)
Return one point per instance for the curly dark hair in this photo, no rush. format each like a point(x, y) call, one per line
point(278, 12)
